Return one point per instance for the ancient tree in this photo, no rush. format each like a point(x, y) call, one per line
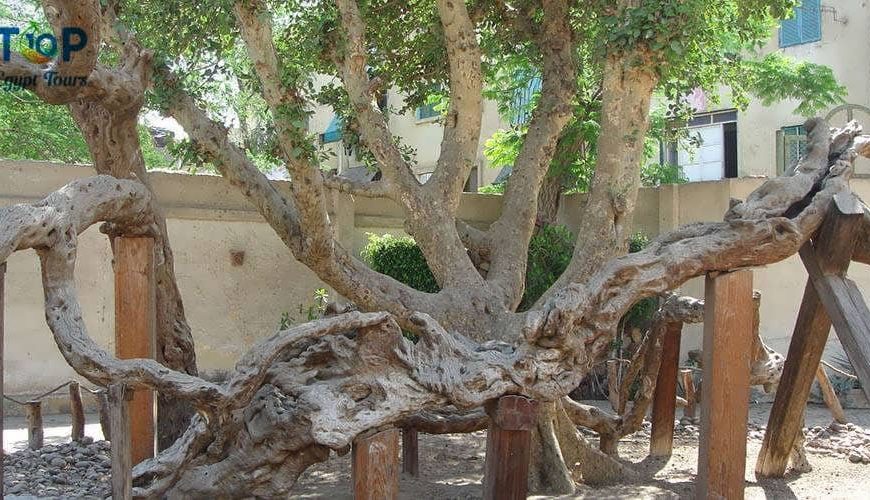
point(312, 389)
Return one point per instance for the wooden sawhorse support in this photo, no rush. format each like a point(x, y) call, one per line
point(829, 298)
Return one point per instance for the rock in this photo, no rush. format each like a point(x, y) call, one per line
point(58, 462)
point(855, 457)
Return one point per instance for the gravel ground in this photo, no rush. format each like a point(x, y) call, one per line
point(70, 470)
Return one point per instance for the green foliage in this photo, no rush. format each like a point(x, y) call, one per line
point(777, 78)
point(550, 252)
point(400, 258)
point(642, 312)
point(656, 174)
point(33, 130)
point(311, 312)
point(493, 188)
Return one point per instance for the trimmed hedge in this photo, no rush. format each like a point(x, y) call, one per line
point(550, 252)
point(400, 258)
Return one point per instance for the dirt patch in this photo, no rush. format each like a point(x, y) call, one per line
point(451, 467)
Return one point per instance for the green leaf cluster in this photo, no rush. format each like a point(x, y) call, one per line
point(400, 258)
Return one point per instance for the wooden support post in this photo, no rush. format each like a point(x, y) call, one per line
point(613, 384)
point(664, 399)
point(834, 244)
point(135, 302)
point(2, 390)
point(410, 452)
point(725, 398)
point(122, 462)
point(689, 387)
point(33, 412)
point(830, 397)
point(375, 466)
point(508, 447)
point(105, 415)
point(76, 411)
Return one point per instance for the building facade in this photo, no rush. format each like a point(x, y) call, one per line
point(758, 141)
point(766, 140)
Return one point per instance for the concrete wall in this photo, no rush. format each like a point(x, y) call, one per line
point(230, 308)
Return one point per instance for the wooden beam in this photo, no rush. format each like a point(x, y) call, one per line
point(135, 302)
point(410, 452)
point(375, 466)
point(727, 353)
point(122, 461)
point(835, 241)
point(2, 390)
point(508, 447)
point(847, 310)
point(76, 411)
point(830, 397)
point(691, 397)
point(613, 384)
point(105, 415)
point(33, 412)
point(664, 399)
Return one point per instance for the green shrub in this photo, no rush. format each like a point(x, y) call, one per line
point(642, 312)
point(550, 252)
point(400, 258)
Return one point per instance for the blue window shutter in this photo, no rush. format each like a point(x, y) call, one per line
point(811, 21)
point(520, 113)
point(790, 30)
point(426, 111)
point(333, 131)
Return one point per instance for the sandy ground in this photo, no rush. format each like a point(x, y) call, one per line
point(451, 466)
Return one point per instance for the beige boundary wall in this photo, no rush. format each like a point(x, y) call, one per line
point(231, 307)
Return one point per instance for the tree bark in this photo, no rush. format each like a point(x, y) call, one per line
point(113, 140)
point(549, 198)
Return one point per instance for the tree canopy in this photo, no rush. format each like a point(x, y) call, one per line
point(314, 388)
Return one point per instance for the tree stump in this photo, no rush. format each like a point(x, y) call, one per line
point(508, 447)
point(727, 352)
point(33, 411)
point(410, 452)
point(664, 399)
point(77, 412)
point(375, 466)
point(135, 299)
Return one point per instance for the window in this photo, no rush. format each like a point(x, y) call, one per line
point(804, 27)
point(794, 145)
point(425, 112)
point(521, 109)
point(714, 155)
